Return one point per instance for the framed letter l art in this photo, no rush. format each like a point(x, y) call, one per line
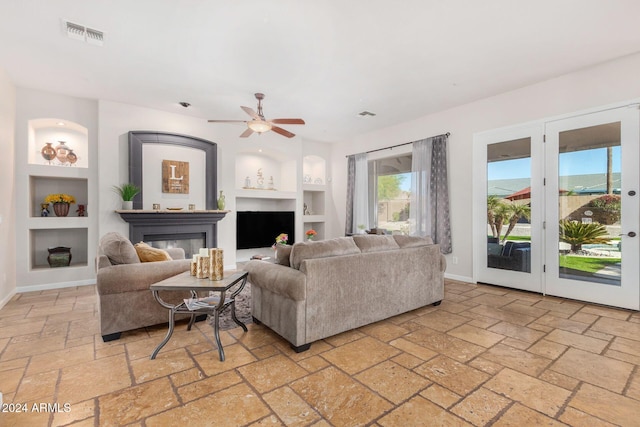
point(175, 177)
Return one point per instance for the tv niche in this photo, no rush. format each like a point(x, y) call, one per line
point(259, 229)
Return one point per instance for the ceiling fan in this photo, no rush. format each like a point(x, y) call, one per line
point(259, 124)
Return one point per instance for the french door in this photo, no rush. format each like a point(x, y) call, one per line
point(556, 207)
point(592, 214)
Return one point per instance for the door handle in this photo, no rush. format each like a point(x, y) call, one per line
point(630, 234)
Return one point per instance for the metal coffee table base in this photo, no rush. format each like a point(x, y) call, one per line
point(239, 279)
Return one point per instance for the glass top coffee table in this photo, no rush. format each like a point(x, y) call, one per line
point(231, 282)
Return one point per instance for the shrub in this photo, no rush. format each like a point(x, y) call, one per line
point(577, 234)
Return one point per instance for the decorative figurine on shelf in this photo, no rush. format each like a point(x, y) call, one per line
point(221, 201)
point(72, 158)
point(270, 185)
point(81, 211)
point(260, 179)
point(247, 182)
point(305, 210)
point(45, 209)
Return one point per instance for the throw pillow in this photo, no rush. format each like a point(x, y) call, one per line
point(147, 253)
point(375, 243)
point(283, 252)
point(412, 241)
point(118, 249)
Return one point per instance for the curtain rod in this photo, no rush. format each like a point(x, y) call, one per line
point(399, 145)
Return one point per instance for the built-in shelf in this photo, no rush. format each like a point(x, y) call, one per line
point(265, 194)
point(313, 218)
point(44, 223)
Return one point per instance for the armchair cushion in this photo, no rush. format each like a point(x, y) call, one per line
point(283, 253)
point(118, 249)
point(322, 249)
point(147, 253)
point(375, 243)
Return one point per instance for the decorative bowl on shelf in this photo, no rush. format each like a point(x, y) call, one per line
point(174, 209)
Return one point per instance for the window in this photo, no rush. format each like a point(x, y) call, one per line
point(390, 193)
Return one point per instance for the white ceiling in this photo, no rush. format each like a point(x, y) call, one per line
point(322, 60)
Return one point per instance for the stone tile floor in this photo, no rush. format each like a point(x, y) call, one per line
point(486, 356)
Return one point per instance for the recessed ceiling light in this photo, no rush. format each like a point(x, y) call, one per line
point(60, 123)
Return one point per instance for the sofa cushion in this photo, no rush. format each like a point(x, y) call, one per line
point(118, 249)
point(283, 253)
point(322, 249)
point(375, 243)
point(412, 241)
point(147, 253)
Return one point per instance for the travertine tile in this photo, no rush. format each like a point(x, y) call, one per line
point(614, 313)
point(165, 363)
point(480, 406)
point(548, 349)
point(339, 399)
point(527, 309)
point(313, 364)
point(359, 355)
point(291, 409)
point(440, 396)
point(392, 381)
point(529, 391)
point(77, 412)
point(407, 360)
point(10, 380)
point(40, 387)
point(271, 373)
point(519, 415)
point(136, 403)
point(476, 335)
point(451, 374)
point(197, 389)
point(606, 405)
point(441, 320)
point(485, 365)
point(235, 356)
point(594, 369)
point(559, 305)
point(519, 360)
point(559, 379)
point(60, 358)
point(633, 389)
point(564, 324)
point(582, 342)
point(416, 350)
point(416, 411)
point(95, 378)
point(503, 315)
point(521, 333)
point(186, 377)
point(445, 344)
point(617, 327)
point(236, 405)
point(384, 331)
point(573, 417)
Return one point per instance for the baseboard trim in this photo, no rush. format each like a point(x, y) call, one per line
point(59, 285)
point(458, 278)
point(6, 299)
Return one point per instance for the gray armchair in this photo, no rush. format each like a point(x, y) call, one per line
point(122, 284)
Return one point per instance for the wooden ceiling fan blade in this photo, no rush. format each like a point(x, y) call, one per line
point(251, 112)
point(283, 132)
point(246, 133)
point(227, 121)
point(288, 121)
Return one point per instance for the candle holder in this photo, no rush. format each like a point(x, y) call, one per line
point(202, 267)
point(216, 264)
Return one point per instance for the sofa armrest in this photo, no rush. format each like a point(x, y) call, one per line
point(135, 277)
point(279, 279)
point(175, 253)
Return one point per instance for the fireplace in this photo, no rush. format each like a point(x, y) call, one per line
point(181, 229)
point(259, 229)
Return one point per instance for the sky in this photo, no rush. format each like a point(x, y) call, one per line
point(573, 163)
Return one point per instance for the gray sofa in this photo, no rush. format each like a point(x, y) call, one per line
point(125, 301)
point(331, 286)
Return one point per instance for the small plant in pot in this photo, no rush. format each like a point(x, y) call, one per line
point(127, 192)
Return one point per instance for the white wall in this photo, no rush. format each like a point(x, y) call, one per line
point(607, 83)
point(7, 189)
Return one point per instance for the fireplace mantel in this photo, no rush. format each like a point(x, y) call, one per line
point(144, 224)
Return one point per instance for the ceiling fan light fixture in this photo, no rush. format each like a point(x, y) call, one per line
point(259, 126)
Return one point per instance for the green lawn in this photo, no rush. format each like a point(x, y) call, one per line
point(586, 264)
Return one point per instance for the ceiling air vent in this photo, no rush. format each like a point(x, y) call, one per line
point(366, 113)
point(82, 33)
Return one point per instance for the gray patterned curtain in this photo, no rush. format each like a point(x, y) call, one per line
point(429, 209)
point(351, 181)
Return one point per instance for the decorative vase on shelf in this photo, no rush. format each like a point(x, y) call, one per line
point(221, 201)
point(59, 256)
point(61, 209)
point(71, 157)
point(127, 205)
point(48, 152)
point(61, 152)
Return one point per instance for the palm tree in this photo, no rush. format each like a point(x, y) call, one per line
point(516, 211)
point(577, 234)
point(496, 214)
